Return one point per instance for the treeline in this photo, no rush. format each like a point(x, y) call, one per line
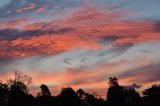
point(15, 93)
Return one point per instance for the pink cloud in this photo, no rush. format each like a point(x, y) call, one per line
point(14, 23)
point(30, 7)
point(88, 26)
point(41, 9)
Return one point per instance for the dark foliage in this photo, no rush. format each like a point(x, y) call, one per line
point(15, 94)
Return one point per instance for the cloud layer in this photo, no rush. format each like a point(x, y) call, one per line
point(80, 43)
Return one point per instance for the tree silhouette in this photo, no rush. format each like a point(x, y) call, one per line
point(113, 81)
point(90, 99)
point(81, 94)
point(15, 93)
point(45, 90)
point(4, 92)
point(68, 97)
point(133, 97)
point(116, 94)
point(44, 98)
point(19, 77)
point(18, 94)
point(152, 96)
point(20, 83)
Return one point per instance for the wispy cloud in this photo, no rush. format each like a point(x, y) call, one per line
point(41, 9)
point(30, 7)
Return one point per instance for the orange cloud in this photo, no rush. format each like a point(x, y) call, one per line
point(89, 26)
point(13, 23)
point(30, 7)
point(86, 14)
point(46, 44)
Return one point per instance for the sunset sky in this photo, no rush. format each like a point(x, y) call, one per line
point(81, 43)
